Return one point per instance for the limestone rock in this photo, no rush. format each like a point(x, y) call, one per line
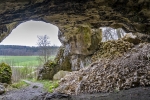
point(77, 47)
point(79, 61)
point(60, 75)
point(130, 70)
point(83, 40)
point(48, 70)
point(63, 59)
point(96, 13)
point(2, 89)
point(131, 38)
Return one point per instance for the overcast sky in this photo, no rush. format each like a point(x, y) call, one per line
point(27, 32)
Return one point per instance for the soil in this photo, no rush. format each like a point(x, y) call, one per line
point(27, 93)
point(35, 91)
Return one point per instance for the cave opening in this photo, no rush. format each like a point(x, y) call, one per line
point(20, 48)
point(109, 33)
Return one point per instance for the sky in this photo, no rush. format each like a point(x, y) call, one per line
point(26, 34)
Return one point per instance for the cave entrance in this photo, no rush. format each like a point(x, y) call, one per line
point(20, 50)
point(112, 34)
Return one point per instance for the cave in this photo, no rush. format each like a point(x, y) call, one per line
point(132, 16)
point(82, 16)
point(28, 32)
point(75, 20)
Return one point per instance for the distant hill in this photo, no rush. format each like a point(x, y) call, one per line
point(17, 50)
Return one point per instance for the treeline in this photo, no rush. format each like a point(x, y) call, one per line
point(15, 50)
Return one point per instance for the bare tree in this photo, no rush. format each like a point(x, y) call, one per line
point(44, 46)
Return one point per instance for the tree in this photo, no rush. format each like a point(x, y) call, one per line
point(44, 46)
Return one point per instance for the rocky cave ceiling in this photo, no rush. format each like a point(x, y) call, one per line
point(131, 15)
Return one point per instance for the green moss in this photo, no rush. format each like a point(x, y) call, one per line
point(19, 84)
point(48, 85)
point(5, 73)
point(66, 65)
point(65, 62)
point(86, 32)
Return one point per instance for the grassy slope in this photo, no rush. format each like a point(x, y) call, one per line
point(21, 60)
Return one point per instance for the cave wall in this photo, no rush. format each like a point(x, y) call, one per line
point(72, 15)
point(131, 15)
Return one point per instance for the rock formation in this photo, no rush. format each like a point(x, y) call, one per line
point(79, 22)
point(130, 70)
point(2, 89)
point(75, 15)
point(60, 75)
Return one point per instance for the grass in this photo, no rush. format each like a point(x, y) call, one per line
point(19, 84)
point(48, 85)
point(21, 60)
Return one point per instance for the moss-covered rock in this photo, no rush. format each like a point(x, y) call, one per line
point(48, 70)
point(5, 73)
point(63, 60)
point(82, 41)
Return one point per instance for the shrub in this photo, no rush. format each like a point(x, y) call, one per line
point(5, 73)
point(19, 84)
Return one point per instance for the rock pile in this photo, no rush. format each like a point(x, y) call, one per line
point(130, 70)
point(112, 49)
point(2, 88)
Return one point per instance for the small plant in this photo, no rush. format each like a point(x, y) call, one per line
point(48, 85)
point(19, 84)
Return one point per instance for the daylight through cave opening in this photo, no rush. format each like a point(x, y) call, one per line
point(109, 33)
point(21, 51)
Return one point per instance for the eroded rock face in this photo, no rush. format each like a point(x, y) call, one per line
point(79, 45)
point(130, 70)
point(131, 15)
point(48, 70)
point(2, 89)
point(76, 19)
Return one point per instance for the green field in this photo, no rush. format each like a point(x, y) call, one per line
point(21, 60)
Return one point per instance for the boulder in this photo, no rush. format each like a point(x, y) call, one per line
point(48, 70)
point(83, 40)
point(131, 38)
point(78, 47)
point(2, 89)
point(60, 75)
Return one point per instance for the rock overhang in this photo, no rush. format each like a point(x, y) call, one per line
point(131, 15)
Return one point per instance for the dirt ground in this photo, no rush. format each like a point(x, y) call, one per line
point(35, 92)
point(27, 93)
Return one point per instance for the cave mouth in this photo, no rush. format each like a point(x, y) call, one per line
point(109, 33)
point(26, 34)
point(20, 46)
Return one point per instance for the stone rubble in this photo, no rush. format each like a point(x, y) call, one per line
point(105, 75)
point(2, 88)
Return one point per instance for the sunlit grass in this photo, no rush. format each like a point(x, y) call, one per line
point(21, 60)
point(19, 84)
point(48, 85)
